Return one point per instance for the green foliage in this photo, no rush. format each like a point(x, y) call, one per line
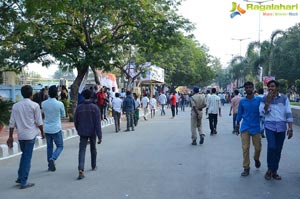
point(63, 74)
point(5, 107)
point(259, 85)
point(279, 56)
point(295, 103)
point(83, 34)
point(283, 85)
point(297, 84)
point(284, 56)
point(184, 64)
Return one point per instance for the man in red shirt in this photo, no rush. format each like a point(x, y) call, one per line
point(173, 103)
point(101, 100)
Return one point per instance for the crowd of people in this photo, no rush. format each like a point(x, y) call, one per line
point(255, 116)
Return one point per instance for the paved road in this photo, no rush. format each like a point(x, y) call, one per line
point(157, 161)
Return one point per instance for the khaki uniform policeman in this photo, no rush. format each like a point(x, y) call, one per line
point(198, 103)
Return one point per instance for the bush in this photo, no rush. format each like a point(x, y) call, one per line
point(295, 103)
point(259, 85)
point(297, 84)
point(5, 108)
point(283, 85)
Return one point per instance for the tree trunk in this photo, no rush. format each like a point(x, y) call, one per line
point(96, 77)
point(74, 90)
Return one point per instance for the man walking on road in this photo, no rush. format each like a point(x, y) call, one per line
point(234, 109)
point(53, 110)
point(262, 119)
point(145, 103)
point(153, 104)
point(128, 109)
point(249, 112)
point(213, 108)
point(278, 114)
point(173, 103)
point(88, 125)
point(198, 103)
point(26, 116)
point(177, 101)
point(137, 104)
point(162, 100)
point(117, 109)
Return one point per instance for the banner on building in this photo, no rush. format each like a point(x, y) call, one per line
point(155, 74)
point(108, 80)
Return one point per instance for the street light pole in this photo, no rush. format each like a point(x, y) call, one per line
point(259, 2)
point(241, 39)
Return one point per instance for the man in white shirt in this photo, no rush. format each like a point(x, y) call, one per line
point(112, 95)
point(145, 104)
point(153, 106)
point(26, 115)
point(213, 108)
point(117, 109)
point(162, 99)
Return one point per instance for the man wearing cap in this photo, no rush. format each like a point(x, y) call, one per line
point(198, 103)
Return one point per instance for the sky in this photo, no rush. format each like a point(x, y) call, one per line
point(221, 33)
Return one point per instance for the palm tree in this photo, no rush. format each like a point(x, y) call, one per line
point(273, 40)
point(256, 59)
point(239, 69)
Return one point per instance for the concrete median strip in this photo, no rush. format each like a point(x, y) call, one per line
point(69, 133)
point(6, 152)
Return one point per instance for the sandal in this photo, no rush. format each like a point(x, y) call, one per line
point(268, 175)
point(276, 176)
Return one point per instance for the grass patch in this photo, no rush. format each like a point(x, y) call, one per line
point(295, 103)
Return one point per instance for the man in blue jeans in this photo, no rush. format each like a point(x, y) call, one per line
point(26, 115)
point(87, 121)
point(278, 115)
point(235, 101)
point(53, 110)
point(128, 108)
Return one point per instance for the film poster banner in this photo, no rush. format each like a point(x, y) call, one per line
point(108, 80)
point(155, 73)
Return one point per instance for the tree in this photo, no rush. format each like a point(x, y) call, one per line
point(283, 85)
point(83, 34)
point(285, 57)
point(185, 63)
point(239, 69)
point(273, 40)
point(297, 84)
point(66, 74)
point(259, 85)
point(222, 77)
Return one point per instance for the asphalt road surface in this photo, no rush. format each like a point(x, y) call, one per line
point(157, 161)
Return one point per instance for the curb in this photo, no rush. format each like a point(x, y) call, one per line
point(6, 152)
